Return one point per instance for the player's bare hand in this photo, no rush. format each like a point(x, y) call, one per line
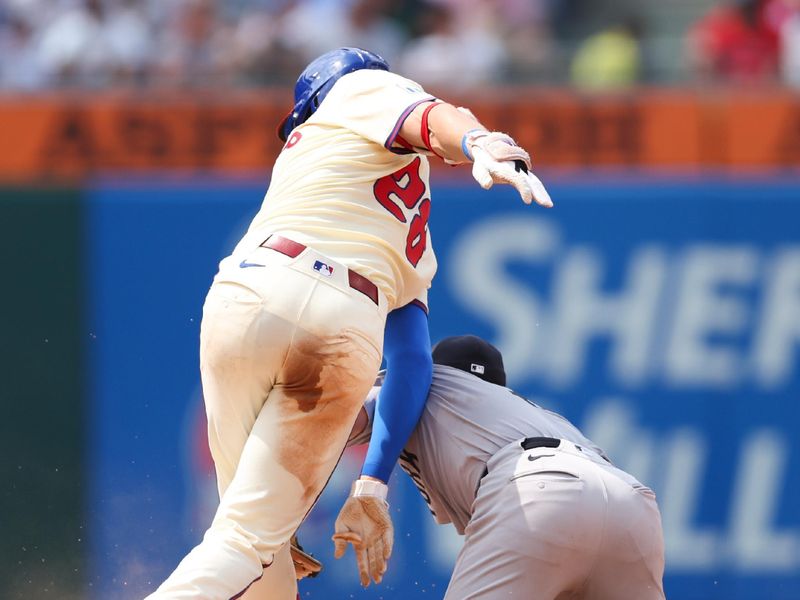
point(498, 159)
point(364, 523)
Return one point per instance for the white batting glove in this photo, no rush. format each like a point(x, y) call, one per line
point(498, 159)
point(365, 523)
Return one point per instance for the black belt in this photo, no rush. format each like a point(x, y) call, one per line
point(531, 443)
point(540, 442)
point(293, 249)
point(548, 442)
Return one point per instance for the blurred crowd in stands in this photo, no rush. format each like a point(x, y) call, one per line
point(748, 42)
point(48, 44)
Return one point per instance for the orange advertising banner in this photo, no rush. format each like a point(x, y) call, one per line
point(73, 136)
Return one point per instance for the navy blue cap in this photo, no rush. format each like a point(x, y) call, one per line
point(473, 355)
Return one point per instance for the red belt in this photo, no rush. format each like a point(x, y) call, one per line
point(293, 249)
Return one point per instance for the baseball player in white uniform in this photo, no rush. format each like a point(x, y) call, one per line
point(332, 273)
point(544, 513)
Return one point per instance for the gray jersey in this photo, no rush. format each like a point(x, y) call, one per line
point(466, 421)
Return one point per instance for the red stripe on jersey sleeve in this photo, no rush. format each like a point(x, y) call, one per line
point(396, 130)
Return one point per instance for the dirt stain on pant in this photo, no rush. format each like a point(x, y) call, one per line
point(311, 364)
point(321, 387)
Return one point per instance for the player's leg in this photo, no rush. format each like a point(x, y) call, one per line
point(294, 444)
point(630, 563)
point(250, 319)
point(286, 462)
point(278, 581)
point(534, 531)
point(298, 436)
point(242, 349)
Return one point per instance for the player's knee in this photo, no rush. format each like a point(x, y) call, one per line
point(237, 535)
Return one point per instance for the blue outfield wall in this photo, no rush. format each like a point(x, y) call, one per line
point(662, 316)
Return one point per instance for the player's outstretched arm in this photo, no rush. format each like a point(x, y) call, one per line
point(364, 519)
point(456, 136)
point(409, 371)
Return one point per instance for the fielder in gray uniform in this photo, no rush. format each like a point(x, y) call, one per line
point(545, 514)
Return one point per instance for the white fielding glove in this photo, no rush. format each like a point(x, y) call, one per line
point(498, 159)
point(364, 522)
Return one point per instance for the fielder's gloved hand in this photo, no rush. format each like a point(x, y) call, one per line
point(364, 522)
point(305, 565)
point(498, 159)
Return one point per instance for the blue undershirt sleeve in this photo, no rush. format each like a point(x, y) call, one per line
point(409, 369)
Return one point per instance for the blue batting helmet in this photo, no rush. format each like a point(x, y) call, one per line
point(318, 78)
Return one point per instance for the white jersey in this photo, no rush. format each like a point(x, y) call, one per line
point(338, 186)
point(466, 421)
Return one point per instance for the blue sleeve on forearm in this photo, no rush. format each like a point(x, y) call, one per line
point(409, 369)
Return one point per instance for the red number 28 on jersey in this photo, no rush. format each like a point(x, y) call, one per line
point(407, 186)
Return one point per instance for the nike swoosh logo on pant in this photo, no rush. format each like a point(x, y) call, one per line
point(533, 458)
point(244, 264)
